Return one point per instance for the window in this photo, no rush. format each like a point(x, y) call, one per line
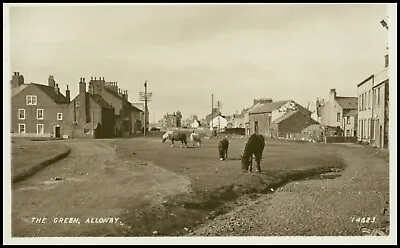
point(338, 117)
point(348, 120)
point(378, 97)
point(59, 116)
point(31, 100)
point(369, 99)
point(39, 128)
point(39, 114)
point(21, 114)
point(21, 128)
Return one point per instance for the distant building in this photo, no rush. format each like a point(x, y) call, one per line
point(215, 112)
point(218, 122)
point(333, 111)
point(277, 119)
point(173, 120)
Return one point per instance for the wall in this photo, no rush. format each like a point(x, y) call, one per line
point(365, 112)
point(262, 119)
point(381, 119)
point(329, 113)
point(340, 139)
point(50, 110)
point(351, 127)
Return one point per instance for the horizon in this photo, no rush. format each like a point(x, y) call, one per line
point(187, 53)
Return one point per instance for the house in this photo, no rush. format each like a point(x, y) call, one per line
point(141, 120)
point(246, 119)
point(39, 110)
point(195, 124)
point(92, 116)
point(373, 111)
point(126, 115)
point(279, 118)
point(333, 111)
point(238, 120)
point(172, 120)
point(214, 112)
point(218, 123)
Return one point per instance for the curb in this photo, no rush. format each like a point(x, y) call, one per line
point(24, 175)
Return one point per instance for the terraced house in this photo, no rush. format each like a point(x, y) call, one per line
point(39, 110)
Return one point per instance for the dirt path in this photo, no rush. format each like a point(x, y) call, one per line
point(95, 183)
point(314, 207)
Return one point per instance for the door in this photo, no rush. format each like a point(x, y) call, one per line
point(256, 127)
point(57, 132)
point(380, 136)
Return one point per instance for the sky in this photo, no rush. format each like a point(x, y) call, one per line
point(186, 53)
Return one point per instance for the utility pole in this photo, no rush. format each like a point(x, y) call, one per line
point(212, 113)
point(219, 117)
point(145, 108)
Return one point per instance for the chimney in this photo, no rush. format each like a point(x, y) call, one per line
point(125, 95)
point(265, 100)
point(332, 94)
point(51, 81)
point(17, 80)
point(256, 101)
point(386, 60)
point(56, 89)
point(68, 94)
point(82, 86)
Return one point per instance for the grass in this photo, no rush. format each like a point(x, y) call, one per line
point(27, 155)
point(215, 184)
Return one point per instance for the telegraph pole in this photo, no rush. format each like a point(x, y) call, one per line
point(219, 117)
point(212, 113)
point(145, 108)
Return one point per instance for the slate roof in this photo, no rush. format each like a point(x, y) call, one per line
point(15, 91)
point(124, 101)
point(100, 101)
point(57, 97)
point(351, 112)
point(347, 102)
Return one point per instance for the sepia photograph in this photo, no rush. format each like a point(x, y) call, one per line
point(199, 123)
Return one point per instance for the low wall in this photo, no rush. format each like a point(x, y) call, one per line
point(340, 139)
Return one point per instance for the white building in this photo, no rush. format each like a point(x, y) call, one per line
point(220, 122)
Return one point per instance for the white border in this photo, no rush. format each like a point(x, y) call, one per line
point(392, 239)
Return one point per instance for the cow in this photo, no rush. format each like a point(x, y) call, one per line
point(223, 146)
point(254, 146)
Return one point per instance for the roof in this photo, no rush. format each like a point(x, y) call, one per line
point(124, 101)
point(251, 108)
point(139, 106)
point(15, 91)
point(57, 97)
point(351, 112)
point(347, 102)
point(271, 106)
point(285, 116)
point(100, 101)
point(239, 116)
point(365, 80)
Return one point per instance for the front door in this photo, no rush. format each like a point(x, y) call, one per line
point(57, 131)
point(256, 127)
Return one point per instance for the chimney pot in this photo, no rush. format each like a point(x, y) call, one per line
point(83, 79)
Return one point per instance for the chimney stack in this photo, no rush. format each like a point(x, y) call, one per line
point(56, 89)
point(68, 94)
point(332, 94)
point(82, 86)
point(51, 81)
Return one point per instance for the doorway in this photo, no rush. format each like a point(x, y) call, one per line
point(57, 132)
point(256, 127)
point(380, 136)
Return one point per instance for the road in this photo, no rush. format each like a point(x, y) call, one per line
point(95, 182)
point(315, 207)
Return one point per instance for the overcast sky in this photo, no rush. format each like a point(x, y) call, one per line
point(186, 53)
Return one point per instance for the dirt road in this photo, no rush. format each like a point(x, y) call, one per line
point(314, 207)
point(94, 183)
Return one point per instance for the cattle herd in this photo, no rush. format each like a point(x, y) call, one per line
point(254, 147)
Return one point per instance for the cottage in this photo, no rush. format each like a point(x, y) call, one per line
point(92, 116)
point(276, 119)
point(218, 123)
point(39, 110)
point(333, 114)
point(126, 115)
